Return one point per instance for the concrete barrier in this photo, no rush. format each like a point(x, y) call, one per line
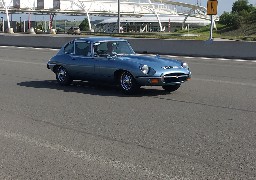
point(29, 40)
point(222, 49)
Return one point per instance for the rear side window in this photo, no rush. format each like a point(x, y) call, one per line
point(83, 48)
point(69, 48)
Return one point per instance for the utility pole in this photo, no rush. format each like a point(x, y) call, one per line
point(2, 24)
point(20, 25)
point(118, 18)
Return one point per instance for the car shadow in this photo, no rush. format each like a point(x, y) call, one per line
point(90, 88)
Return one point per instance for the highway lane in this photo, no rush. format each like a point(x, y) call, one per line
point(205, 130)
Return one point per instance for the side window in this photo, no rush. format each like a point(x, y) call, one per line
point(69, 48)
point(123, 47)
point(102, 47)
point(105, 48)
point(112, 48)
point(83, 48)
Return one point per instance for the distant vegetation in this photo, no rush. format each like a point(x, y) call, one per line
point(84, 26)
point(240, 21)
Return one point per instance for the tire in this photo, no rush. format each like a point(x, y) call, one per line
point(62, 76)
point(127, 83)
point(171, 88)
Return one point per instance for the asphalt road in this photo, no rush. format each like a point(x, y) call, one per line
point(205, 130)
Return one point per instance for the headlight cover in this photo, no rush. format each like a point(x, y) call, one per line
point(144, 69)
point(185, 65)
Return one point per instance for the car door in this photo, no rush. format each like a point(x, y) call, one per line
point(83, 62)
point(105, 65)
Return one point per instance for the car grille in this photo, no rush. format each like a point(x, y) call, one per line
point(175, 77)
point(175, 74)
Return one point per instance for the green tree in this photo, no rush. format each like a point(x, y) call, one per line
point(252, 17)
point(242, 5)
point(224, 18)
point(241, 17)
point(84, 26)
point(39, 26)
point(231, 20)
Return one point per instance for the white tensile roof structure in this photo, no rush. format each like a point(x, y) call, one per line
point(133, 8)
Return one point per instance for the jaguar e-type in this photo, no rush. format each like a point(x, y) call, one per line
point(112, 60)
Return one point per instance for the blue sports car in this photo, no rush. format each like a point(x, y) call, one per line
point(112, 60)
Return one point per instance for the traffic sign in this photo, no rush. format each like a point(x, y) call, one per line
point(212, 7)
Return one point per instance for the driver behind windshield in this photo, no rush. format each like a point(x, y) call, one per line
point(110, 48)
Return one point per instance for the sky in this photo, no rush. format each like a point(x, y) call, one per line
point(223, 5)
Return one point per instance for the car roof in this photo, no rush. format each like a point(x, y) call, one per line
point(97, 39)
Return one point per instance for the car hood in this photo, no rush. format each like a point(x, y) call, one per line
point(153, 61)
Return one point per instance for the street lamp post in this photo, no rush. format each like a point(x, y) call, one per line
point(65, 27)
point(2, 24)
point(118, 18)
point(20, 24)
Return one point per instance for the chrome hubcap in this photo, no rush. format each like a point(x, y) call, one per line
point(61, 74)
point(126, 81)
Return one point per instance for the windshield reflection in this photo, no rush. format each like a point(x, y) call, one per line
point(112, 48)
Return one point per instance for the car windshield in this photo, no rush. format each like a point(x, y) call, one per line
point(112, 48)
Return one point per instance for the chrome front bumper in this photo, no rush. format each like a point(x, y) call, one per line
point(163, 80)
point(50, 66)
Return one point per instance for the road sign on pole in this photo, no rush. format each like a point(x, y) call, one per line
point(212, 7)
point(211, 10)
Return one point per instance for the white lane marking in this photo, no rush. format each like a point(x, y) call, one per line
point(4, 60)
point(205, 58)
point(30, 48)
point(225, 82)
point(172, 56)
point(239, 60)
point(223, 59)
point(124, 166)
point(254, 61)
point(188, 57)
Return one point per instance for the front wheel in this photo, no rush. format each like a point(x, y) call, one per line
point(127, 83)
point(171, 88)
point(63, 77)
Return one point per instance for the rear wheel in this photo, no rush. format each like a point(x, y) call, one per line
point(127, 83)
point(171, 88)
point(62, 76)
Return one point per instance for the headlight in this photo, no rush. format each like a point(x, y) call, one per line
point(144, 69)
point(185, 65)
